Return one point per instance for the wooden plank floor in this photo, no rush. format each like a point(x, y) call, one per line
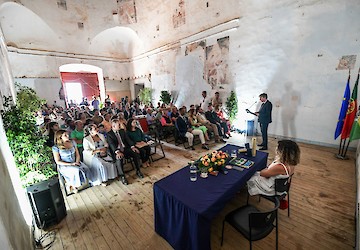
point(121, 217)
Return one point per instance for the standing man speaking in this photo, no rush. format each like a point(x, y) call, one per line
point(264, 119)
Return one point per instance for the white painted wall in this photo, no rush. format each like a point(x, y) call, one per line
point(116, 85)
point(15, 211)
point(290, 50)
point(46, 88)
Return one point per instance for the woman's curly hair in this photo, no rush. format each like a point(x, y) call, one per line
point(289, 152)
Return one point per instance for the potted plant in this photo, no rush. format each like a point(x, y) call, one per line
point(165, 97)
point(32, 158)
point(232, 106)
point(145, 95)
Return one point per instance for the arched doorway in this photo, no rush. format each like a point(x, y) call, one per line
point(81, 80)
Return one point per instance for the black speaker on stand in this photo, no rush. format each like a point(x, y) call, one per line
point(47, 202)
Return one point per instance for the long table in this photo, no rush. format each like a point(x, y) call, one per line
point(184, 209)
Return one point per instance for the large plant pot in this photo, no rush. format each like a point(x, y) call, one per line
point(47, 202)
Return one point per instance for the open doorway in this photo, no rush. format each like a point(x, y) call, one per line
point(74, 92)
point(88, 76)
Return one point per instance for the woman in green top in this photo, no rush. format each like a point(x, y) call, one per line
point(138, 138)
point(197, 125)
point(78, 135)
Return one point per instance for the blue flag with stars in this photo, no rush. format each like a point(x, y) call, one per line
point(343, 110)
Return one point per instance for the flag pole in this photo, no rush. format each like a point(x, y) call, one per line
point(347, 146)
point(340, 146)
point(341, 149)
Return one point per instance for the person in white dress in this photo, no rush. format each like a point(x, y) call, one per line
point(67, 158)
point(95, 156)
point(286, 158)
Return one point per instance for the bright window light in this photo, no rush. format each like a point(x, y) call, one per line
point(74, 92)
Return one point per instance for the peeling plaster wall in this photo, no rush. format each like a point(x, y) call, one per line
point(287, 48)
point(290, 50)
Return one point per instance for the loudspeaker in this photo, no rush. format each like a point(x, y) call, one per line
point(47, 202)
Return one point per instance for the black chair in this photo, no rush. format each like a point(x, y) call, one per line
point(183, 139)
point(282, 188)
point(253, 224)
point(169, 133)
point(154, 143)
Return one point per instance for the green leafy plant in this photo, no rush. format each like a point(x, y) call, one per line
point(145, 95)
point(33, 159)
point(165, 97)
point(232, 106)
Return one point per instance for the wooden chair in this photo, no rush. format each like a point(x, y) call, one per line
point(253, 224)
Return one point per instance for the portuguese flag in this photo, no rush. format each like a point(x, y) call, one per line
point(351, 112)
point(343, 110)
point(355, 131)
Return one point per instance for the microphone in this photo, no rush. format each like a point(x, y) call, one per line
point(252, 104)
point(248, 111)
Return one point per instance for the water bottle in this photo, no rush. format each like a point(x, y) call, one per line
point(193, 172)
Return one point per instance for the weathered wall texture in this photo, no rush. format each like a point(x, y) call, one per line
point(287, 48)
point(290, 50)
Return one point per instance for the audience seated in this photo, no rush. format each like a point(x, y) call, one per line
point(78, 135)
point(197, 125)
point(127, 111)
point(167, 124)
point(106, 122)
point(137, 138)
point(122, 121)
point(95, 156)
point(96, 117)
point(67, 157)
point(174, 114)
point(220, 114)
point(210, 126)
point(82, 117)
point(52, 128)
point(120, 146)
point(185, 130)
point(214, 119)
point(114, 129)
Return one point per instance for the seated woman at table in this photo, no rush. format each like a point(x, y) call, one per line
point(287, 156)
point(138, 138)
point(95, 156)
point(67, 157)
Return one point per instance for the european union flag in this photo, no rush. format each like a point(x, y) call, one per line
point(343, 110)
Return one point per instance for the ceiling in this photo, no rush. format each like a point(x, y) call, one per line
point(111, 29)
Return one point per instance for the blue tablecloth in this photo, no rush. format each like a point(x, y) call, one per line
point(184, 209)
